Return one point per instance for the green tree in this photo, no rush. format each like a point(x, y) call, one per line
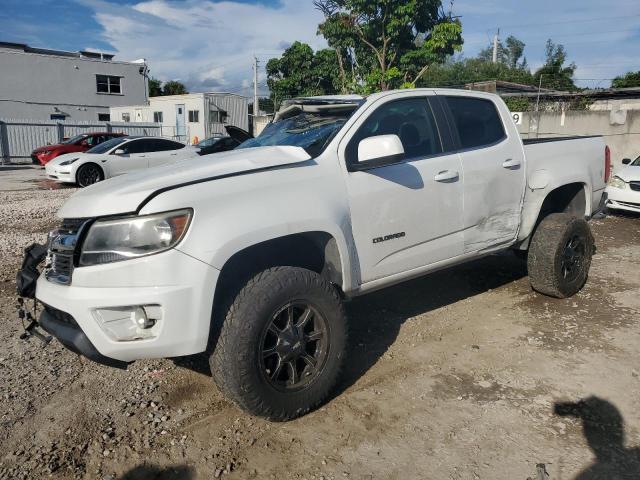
point(629, 79)
point(302, 72)
point(462, 72)
point(388, 43)
point(155, 87)
point(174, 87)
point(555, 74)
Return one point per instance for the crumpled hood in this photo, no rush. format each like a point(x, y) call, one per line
point(125, 193)
point(629, 174)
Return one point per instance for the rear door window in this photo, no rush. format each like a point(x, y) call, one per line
point(163, 145)
point(476, 121)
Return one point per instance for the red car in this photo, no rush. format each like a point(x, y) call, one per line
point(79, 143)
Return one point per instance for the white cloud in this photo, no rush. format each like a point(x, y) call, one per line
point(208, 45)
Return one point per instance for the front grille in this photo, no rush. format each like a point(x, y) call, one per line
point(635, 186)
point(62, 265)
point(62, 250)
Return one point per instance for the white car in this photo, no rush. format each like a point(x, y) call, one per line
point(624, 188)
point(250, 256)
point(115, 157)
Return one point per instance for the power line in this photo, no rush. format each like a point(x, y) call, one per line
point(564, 22)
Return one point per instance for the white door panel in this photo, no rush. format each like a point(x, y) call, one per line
point(405, 215)
point(492, 193)
point(422, 216)
point(493, 166)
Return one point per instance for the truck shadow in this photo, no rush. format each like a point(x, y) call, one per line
point(375, 319)
point(603, 429)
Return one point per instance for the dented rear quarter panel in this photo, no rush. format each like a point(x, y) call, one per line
point(551, 165)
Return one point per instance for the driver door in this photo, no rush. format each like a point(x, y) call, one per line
point(134, 157)
point(406, 214)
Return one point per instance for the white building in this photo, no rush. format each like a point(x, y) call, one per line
point(190, 117)
point(43, 84)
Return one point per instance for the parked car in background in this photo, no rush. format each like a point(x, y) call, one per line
point(79, 143)
point(624, 188)
point(223, 143)
point(115, 157)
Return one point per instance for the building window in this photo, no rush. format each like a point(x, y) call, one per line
point(104, 117)
point(218, 116)
point(58, 116)
point(108, 84)
point(126, 117)
point(157, 117)
point(194, 116)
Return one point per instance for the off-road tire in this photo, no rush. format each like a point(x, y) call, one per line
point(549, 251)
point(89, 174)
point(236, 364)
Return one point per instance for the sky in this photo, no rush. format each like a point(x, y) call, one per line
point(209, 44)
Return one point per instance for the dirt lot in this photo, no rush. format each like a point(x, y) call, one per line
point(458, 375)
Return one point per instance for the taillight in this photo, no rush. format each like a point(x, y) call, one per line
point(607, 164)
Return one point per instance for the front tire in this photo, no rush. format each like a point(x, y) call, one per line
point(281, 347)
point(560, 255)
point(89, 174)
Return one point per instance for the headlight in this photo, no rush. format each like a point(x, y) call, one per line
point(132, 237)
point(617, 182)
point(68, 162)
point(46, 152)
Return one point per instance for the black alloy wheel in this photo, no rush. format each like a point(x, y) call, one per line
point(294, 346)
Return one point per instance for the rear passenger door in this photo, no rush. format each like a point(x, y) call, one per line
point(163, 151)
point(494, 170)
point(133, 157)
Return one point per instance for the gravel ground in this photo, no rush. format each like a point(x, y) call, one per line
point(458, 375)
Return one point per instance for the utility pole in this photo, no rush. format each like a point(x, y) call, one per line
point(256, 107)
point(495, 47)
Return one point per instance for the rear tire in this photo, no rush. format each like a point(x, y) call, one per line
point(560, 255)
point(281, 347)
point(89, 174)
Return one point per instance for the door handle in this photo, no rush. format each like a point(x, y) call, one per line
point(447, 176)
point(510, 163)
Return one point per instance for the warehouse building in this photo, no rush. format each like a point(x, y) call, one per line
point(43, 84)
point(189, 117)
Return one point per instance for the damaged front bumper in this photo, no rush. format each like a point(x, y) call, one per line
point(64, 328)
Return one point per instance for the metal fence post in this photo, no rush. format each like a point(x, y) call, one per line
point(60, 131)
point(4, 143)
point(109, 127)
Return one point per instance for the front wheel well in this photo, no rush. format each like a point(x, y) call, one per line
point(315, 251)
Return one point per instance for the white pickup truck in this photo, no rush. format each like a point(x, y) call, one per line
point(250, 256)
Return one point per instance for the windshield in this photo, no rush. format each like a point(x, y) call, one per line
point(73, 140)
point(311, 131)
point(636, 162)
point(104, 147)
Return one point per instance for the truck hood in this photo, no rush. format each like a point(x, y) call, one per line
point(629, 173)
point(125, 193)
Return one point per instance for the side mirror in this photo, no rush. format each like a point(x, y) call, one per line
point(626, 161)
point(120, 152)
point(379, 151)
